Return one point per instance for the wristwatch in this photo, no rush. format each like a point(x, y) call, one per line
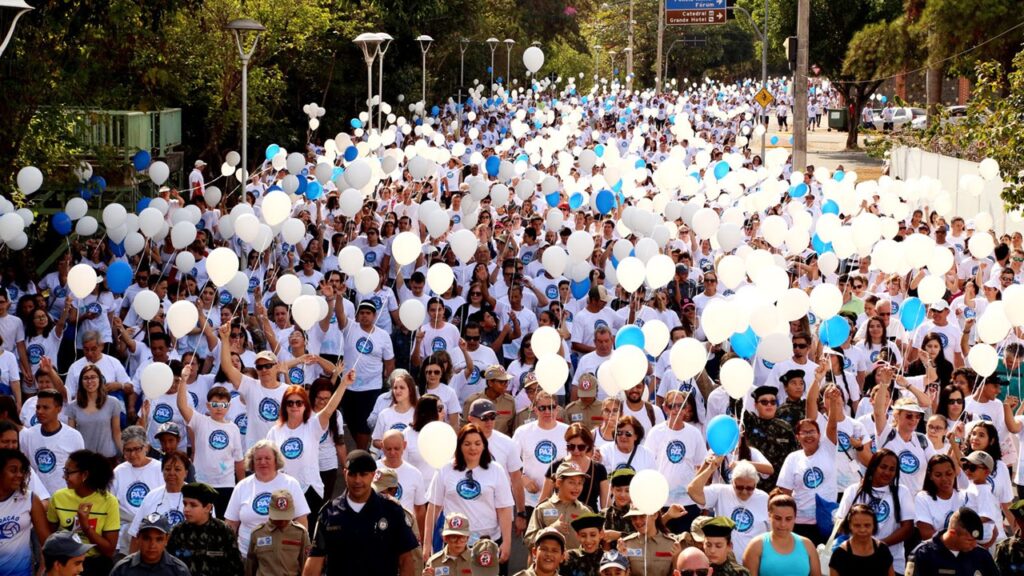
point(522, 514)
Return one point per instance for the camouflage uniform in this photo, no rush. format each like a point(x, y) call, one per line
point(792, 412)
point(729, 569)
point(615, 519)
point(1010, 556)
point(580, 563)
point(208, 549)
point(774, 438)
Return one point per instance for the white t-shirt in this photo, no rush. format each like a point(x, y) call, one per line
point(448, 397)
point(170, 506)
point(979, 498)
point(614, 459)
point(163, 409)
point(478, 498)
point(810, 476)
point(677, 453)
point(327, 454)
point(751, 517)
point(15, 546)
point(262, 408)
point(131, 486)
point(218, 447)
point(391, 419)
point(913, 458)
point(644, 416)
point(935, 512)
point(367, 352)
point(539, 448)
point(301, 449)
point(505, 452)
point(48, 453)
point(250, 504)
point(885, 513)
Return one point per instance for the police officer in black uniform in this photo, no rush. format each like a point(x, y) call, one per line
point(361, 532)
point(955, 551)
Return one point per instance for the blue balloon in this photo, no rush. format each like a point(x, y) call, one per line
point(314, 190)
point(492, 164)
point(721, 170)
point(337, 171)
point(912, 313)
point(61, 223)
point(142, 204)
point(98, 182)
point(830, 207)
point(774, 140)
point(434, 111)
point(834, 331)
point(723, 434)
point(798, 191)
point(575, 201)
point(119, 277)
point(580, 289)
point(839, 175)
point(884, 99)
point(351, 153)
point(356, 123)
point(272, 151)
point(630, 335)
point(744, 343)
point(640, 164)
point(116, 248)
point(141, 160)
point(490, 70)
point(605, 201)
point(599, 150)
point(303, 184)
point(553, 199)
point(617, 187)
point(819, 245)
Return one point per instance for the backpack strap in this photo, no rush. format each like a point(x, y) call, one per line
point(889, 438)
point(650, 413)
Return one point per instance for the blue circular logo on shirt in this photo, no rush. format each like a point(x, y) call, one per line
point(812, 319)
point(399, 426)
point(224, 298)
point(364, 345)
point(46, 461)
point(969, 313)
point(218, 439)
point(297, 375)
point(813, 477)
point(743, 519)
point(61, 292)
point(253, 283)
point(242, 421)
point(881, 509)
point(895, 307)
point(194, 398)
point(398, 492)
point(377, 303)
point(844, 441)
point(874, 355)
point(261, 504)
point(599, 323)
point(767, 364)
point(468, 489)
point(371, 257)
point(269, 409)
point(9, 529)
point(438, 344)
point(136, 493)
point(35, 353)
point(551, 292)
point(675, 451)
point(908, 462)
point(545, 452)
point(474, 376)
point(943, 339)
point(292, 448)
point(162, 413)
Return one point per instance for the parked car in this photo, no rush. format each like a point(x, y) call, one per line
point(915, 117)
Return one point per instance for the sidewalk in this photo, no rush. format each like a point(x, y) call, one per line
point(827, 149)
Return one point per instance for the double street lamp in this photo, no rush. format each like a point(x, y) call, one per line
point(369, 43)
point(242, 27)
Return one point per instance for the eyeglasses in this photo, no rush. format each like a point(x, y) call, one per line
point(432, 372)
point(570, 447)
point(476, 293)
point(220, 404)
point(262, 367)
point(955, 401)
point(623, 434)
point(68, 473)
point(768, 402)
point(471, 338)
point(697, 572)
point(547, 407)
point(290, 403)
point(739, 488)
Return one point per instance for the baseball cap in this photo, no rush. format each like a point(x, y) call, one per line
point(979, 458)
point(681, 269)
point(282, 506)
point(360, 461)
point(155, 521)
point(530, 379)
point(199, 164)
point(205, 493)
point(168, 428)
point(633, 511)
point(367, 305)
point(482, 407)
point(613, 559)
point(587, 386)
point(549, 534)
point(697, 527)
point(939, 305)
point(455, 525)
point(496, 372)
point(65, 544)
point(485, 558)
point(969, 520)
point(268, 356)
point(764, 391)
point(567, 469)
point(385, 479)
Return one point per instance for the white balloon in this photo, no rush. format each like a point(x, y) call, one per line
point(776, 347)
point(629, 366)
point(989, 169)
point(114, 215)
point(606, 380)
point(146, 304)
point(464, 245)
point(221, 264)
point(277, 206)
point(731, 271)
point(580, 245)
point(993, 325)
point(182, 318)
point(983, 359)
point(293, 231)
point(76, 208)
point(546, 340)
point(367, 280)
point(406, 247)
point(718, 320)
point(185, 262)
point(931, 289)
point(554, 260)
point(826, 300)
point(437, 223)
point(794, 304)
point(737, 377)
point(350, 260)
point(631, 273)
point(183, 234)
point(412, 313)
point(158, 172)
point(440, 277)
point(705, 223)
point(150, 222)
point(775, 229)
point(981, 245)
point(134, 243)
point(212, 195)
point(289, 287)
point(552, 371)
point(656, 337)
point(306, 311)
point(358, 173)
point(295, 162)
point(247, 227)
point(437, 443)
point(649, 491)
point(1013, 303)
point(30, 179)
point(81, 280)
point(11, 224)
point(533, 59)
point(156, 378)
point(238, 286)
point(687, 357)
point(660, 271)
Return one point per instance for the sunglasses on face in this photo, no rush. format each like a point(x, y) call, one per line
point(739, 488)
point(697, 572)
point(432, 372)
point(971, 467)
point(489, 417)
point(290, 403)
point(570, 447)
point(623, 434)
point(262, 367)
point(547, 408)
point(955, 401)
point(799, 346)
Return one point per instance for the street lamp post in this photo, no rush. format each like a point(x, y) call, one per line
point(385, 42)
point(629, 67)
point(425, 42)
point(597, 62)
point(493, 43)
point(19, 8)
point(240, 27)
point(611, 62)
point(368, 42)
point(509, 43)
point(463, 46)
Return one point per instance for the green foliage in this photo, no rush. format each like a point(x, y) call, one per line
point(956, 26)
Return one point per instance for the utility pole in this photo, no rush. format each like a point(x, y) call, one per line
point(629, 50)
point(661, 39)
point(803, 16)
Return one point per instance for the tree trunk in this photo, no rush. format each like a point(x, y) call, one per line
point(934, 89)
point(853, 96)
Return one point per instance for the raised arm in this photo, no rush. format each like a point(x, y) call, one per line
point(696, 487)
point(332, 404)
point(233, 374)
point(184, 405)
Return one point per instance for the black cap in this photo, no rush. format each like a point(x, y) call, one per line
point(764, 391)
point(719, 526)
point(360, 461)
point(588, 520)
point(970, 521)
point(205, 493)
point(789, 375)
point(621, 477)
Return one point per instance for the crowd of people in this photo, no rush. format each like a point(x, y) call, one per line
point(875, 431)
